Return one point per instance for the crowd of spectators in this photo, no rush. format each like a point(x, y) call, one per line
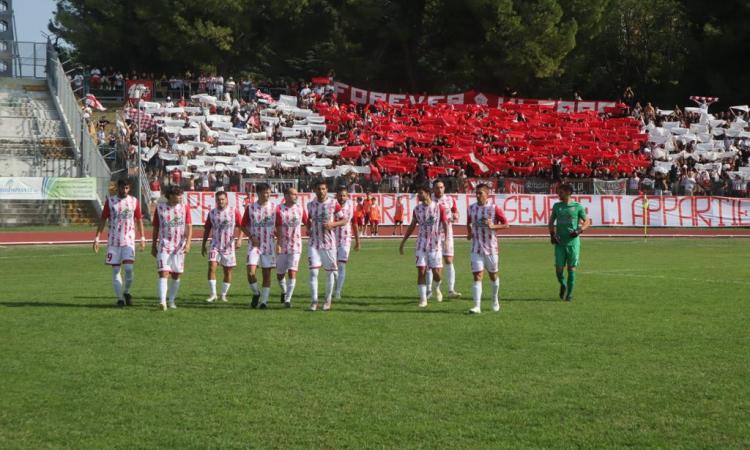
point(392, 148)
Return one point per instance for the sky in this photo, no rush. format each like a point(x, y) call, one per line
point(32, 17)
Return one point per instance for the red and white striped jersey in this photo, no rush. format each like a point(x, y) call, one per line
point(171, 222)
point(290, 219)
point(221, 223)
point(320, 213)
point(449, 205)
point(429, 218)
point(122, 214)
point(344, 232)
point(259, 221)
point(484, 240)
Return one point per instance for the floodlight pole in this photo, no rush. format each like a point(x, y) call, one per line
point(137, 93)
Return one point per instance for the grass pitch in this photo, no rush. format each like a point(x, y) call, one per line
point(653, 352)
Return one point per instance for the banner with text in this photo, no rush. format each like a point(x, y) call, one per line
point(351, 94)
point(47, 188)
point(534, 210)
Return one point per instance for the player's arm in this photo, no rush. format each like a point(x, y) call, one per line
point(355, 232)
point(443, 219)
point(188, 229)
point(583, 223)
point(554, 238)
point(155, 234)
point(409, 231)
point(100, 227)
point(499, 222)
point(469, 236)
point(454, 211)
point(206, 233)
point(139, 218)
point(337, 223)
point(237, 229)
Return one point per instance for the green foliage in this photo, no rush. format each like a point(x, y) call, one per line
point(652, 354)
point(539, 47)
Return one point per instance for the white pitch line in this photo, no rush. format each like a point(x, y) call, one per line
point(663, 277)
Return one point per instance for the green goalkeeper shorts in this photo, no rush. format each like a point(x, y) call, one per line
point(567, 255)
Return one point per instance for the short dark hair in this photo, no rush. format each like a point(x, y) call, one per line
point(319, 182)
point(262, 187)
point(424, 188)
point(439, 180)
point(341, 188)
point(123, 182)
point(482, 187)
point(567, 187)
point(174, 190)
point(288, 189)
point(220, 193)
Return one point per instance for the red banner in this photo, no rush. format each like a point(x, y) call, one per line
point(351, 94)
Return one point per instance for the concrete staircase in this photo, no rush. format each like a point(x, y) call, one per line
point(34, 143)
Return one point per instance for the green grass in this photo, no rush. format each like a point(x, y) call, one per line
point(653, 353)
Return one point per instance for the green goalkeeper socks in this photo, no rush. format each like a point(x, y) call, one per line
point(571, 282)
point(560, 278)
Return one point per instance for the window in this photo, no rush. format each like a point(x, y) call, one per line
point(3, 66)
point(3, 46)
point(3, 26)
point(3, 6)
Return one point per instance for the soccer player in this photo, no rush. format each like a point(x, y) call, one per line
point(259, 223)
point(374, 216)
point(432, 220)
point(323, 215)
point(446, 238)
point(398, 218)
point(123, 212)
point(483, 221)
point(344, 235)
point(566, 223)
point(289, 219)
point(223, 225)
point(173, 232)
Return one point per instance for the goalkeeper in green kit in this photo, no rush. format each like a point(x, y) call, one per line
point(566, 223)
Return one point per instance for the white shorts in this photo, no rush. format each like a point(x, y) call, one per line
point(342, 252)
point(433, 259)
point(254, 258)
point(480, 263)
point(448, 245)
point(170, 262)
point(286, 262)
point(224, 259)
point(325, 258)
point(118, 255)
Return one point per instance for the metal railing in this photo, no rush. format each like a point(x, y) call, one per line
point(87, 152)
point(30, 60)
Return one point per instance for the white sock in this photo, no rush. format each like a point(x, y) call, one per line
point(212, 287)
point(476, 289)
point(436, 286)
point(314, 285)
point(495, 289)
point(254, 288)
point(450, 274)
point(163, 291)
point(290, 283)
point(282, 285)
point(128, 277)
point(422, 291)
point(117, 282)
point(330, 284)
point(225, 288)
point(341, 278)
point(428, 278)
point(264, 293)
point(173, 288)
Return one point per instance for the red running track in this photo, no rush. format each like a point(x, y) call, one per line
point(84, 237)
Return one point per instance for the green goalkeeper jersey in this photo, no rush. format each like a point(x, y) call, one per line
point(567, 216)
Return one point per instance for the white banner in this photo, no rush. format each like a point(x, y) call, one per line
point(534, 210)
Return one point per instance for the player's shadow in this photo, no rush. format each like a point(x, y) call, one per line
point(376, 300)
point(530, 299)
point(32, 304)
